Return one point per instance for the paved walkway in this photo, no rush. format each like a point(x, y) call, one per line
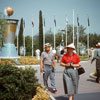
point(88, 88)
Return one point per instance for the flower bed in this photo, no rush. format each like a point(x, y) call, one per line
point(29, 61)
point(21, 61)
point(42, 94)
point(7, 61)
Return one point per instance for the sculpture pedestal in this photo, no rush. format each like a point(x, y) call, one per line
point(8, 51)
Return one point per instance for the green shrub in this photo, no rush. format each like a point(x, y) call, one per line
point(17, 83)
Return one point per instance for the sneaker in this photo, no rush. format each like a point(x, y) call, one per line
point(54, 90)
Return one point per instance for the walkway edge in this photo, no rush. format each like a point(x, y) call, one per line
point(92, 75)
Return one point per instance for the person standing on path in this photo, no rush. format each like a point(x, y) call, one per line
point(70, 61)
point(48, 66)
point(97, 57)
point(37, 54)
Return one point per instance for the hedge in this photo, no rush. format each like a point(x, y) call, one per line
point(17, 83)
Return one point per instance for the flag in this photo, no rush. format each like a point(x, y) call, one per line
point(88, 22)
point(66, 20)
point(55, 22)
point(32, 23)
point(44, 22)
point(78, 21)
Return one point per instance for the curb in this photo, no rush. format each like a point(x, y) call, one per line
point(51, 97)
point(92, 76)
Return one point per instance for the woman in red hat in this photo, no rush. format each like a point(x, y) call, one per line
point(70, 61)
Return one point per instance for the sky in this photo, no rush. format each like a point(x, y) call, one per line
point(58, 9)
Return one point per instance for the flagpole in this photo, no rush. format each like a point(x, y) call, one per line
point(44, 39)
point(54, 33)
point(66, 29)
point(54, 37)
point(44, 36)
point(88, 40)
point(32, 37)
point(73, 26)
point(88, 36)
point(77, 34)
point(66, 35)
point(17, 43)
point(24, 44)
point(24, 37)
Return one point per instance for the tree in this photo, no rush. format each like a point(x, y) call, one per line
point(20, 35)
point(40, 31)
point(49, 38)
point(58, 38)
point(82, 34)
point(36, 43)
point(94, 39)
point(28, 41)
point(70, 34)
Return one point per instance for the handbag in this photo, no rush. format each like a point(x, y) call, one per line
point(81, 70)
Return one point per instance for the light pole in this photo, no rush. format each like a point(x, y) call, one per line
point(77, 34)
point(63, 31)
